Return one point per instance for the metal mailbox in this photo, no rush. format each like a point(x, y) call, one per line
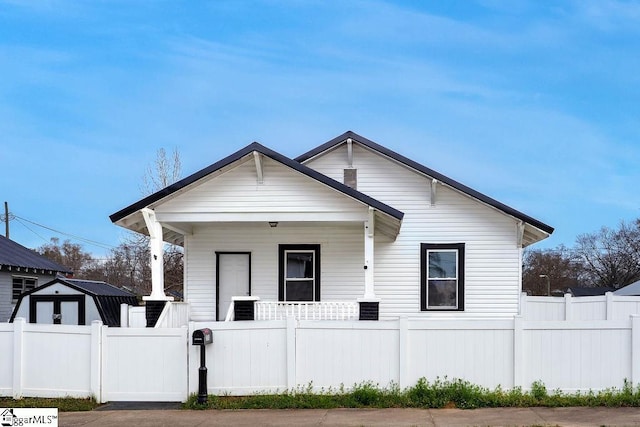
point(202, 336)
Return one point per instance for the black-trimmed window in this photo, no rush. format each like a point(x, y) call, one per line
point(22, 284)
point(299, 273)
point(442, 276)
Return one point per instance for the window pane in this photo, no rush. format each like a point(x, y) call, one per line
point(442, 293)
point(442, 264)
point(299, 290)
point(299, 265)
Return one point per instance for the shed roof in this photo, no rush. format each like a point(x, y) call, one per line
point(96, 288)
point(15, 255)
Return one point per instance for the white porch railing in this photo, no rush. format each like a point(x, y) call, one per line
point(324, 310)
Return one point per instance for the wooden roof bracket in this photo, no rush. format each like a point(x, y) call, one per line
point(257, 157)
point(434, 186)
point(520, 233)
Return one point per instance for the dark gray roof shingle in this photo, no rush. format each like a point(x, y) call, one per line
point(15, 255)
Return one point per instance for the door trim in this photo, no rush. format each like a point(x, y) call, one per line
point(56, 300)
point(218, 253)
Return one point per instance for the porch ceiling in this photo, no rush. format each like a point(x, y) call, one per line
point(176, 226)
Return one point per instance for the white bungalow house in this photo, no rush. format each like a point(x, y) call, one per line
point(348, 229)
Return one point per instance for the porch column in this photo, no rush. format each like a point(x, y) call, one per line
point(369, 246)
point(156, 301)
point(369, 304)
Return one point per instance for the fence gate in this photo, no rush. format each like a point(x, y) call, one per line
point(144, 364)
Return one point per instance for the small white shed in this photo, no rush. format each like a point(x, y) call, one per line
point(73, 302)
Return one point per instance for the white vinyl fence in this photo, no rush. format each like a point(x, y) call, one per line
point(276, 355)
point(602, 307)
point(82, 361)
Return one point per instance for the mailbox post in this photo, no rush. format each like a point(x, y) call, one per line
point(202, 337)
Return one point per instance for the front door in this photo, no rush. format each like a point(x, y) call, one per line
point(233, 279)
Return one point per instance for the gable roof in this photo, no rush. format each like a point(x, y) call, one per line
point(13, 254)
point(249, 149)
point(426, 171)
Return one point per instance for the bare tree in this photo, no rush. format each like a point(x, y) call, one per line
point(611, 257)
point(70, 255)
point(561, 267)
point(164, 172)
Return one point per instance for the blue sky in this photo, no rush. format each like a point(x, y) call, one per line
point(534, 103)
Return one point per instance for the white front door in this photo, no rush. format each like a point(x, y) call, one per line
point(234, 279)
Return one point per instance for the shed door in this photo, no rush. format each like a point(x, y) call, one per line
point(233, 279)
point(57, 309)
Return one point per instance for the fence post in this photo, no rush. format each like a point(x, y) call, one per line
point(518, 352)
point(18, 360)
point(610, 306)
point(104, 348)
point(124, 315)
point(523, 305)
point(403, 353)
point(568, 309)
point(635, 349)
point(96, 360)
point(291, 353)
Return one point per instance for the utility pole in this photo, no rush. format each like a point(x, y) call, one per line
point(6, 220)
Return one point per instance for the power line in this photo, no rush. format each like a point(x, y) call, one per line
point(82, 239)
point(29, 228)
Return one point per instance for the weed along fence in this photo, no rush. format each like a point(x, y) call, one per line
point(161, 364)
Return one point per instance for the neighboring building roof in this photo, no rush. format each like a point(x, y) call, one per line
point(579, 291)
point(632, 289)
point(107, 298)
point(425, 170)
point(13, 254)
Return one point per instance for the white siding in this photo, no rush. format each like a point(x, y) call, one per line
point(283, 190)
point(6, 290)
point(341, 252)
point(492, 283)
point(6, 307)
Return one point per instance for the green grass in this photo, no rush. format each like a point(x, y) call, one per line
point(441, 393)
point(66, 404)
